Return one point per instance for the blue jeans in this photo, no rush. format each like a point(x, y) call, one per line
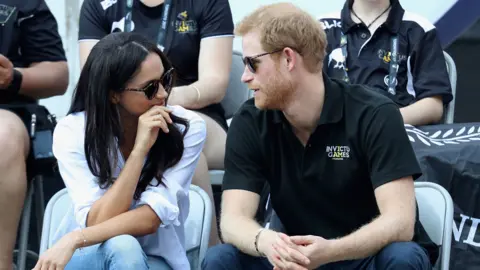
point(396, 256)
point(118, 253)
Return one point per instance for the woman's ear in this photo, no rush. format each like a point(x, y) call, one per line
point(114, 97)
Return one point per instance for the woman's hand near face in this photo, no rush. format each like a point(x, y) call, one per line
point(149, 124)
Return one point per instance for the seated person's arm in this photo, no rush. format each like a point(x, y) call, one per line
point(92, 27)
point(243, 182)
point(392, 164)
point(430, 82)
point(42, 49)
point(425, 111)
point(216, 33)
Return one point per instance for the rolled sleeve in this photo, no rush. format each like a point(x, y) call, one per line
point(80, 182)
point(164, 198)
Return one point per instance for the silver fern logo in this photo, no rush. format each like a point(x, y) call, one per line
point(444, 137)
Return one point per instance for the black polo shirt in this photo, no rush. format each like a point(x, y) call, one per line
point(422, 70)
point(190, 21)
point(326, 188)
point(28, 34)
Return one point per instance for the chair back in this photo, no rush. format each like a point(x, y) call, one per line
point(436, 215)
point(237, 92)
point(452, 75)
point(197, 226)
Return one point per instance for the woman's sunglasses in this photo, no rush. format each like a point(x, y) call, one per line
point(151, 89)
point(251, 61)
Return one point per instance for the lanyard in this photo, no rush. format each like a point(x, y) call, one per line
point(393, 67)
point(163, 26)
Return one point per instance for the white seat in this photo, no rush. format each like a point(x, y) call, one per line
point(452, 75)
point(435, 208)
point(197, 227)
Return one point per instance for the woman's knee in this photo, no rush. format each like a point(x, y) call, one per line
point(14, 137)
point(124, 252)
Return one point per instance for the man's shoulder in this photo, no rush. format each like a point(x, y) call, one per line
point(249, 117)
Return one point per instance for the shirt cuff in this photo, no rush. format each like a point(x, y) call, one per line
point(163, 203)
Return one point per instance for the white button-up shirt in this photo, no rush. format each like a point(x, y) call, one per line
point(170, 201)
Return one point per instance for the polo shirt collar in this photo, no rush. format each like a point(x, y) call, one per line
point(332, 111)
point(393, 22)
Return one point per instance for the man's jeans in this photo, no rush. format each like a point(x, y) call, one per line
point(118, 253)
point(396, 256)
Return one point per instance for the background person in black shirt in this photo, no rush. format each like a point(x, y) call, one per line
point(198, 42)
point(420, 87)
point(336, 156)
point(32, 66)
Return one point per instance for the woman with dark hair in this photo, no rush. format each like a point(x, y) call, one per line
point(197, 37)
point(127, 161)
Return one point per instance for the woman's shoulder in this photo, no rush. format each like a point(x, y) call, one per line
point(195, 122)
point(189, 115)
point(73, 123)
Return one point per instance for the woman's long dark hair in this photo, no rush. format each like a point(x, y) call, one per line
point(113, 62)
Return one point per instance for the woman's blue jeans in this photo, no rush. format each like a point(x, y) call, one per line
point(118, 253)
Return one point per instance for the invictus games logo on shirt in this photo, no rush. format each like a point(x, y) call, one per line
point(184, 25)
point(386, 56)
point(338, 152)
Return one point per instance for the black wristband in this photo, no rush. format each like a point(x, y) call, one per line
point(16, 83)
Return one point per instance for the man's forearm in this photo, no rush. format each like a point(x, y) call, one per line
point(370, 239)
point(240, 232)
point(44, 79)
point(137, 222)
point(425, 111)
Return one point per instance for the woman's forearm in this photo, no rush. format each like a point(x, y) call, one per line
point(118, 198)
point(137, 222)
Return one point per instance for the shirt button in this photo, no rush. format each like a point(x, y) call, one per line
point(363, 35)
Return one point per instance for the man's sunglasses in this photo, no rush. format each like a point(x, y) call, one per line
point(251, 61)
point(151, 89)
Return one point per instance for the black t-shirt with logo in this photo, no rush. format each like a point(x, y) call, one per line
point(422, 70)
point(327, 187)
point(190, 21)
point(28, 34)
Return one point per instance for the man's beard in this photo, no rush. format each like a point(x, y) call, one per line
point(277, 92)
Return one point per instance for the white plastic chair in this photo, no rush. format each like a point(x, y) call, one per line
point(197, 227)
point(237, 94)
point(452, 75)
point(435, 208)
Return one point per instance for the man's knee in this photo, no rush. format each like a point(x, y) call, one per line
point(224, 256)
point(402, 255)
point(14, 137)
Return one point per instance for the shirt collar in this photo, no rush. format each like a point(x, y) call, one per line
point(393, 22)
point(332, 111)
